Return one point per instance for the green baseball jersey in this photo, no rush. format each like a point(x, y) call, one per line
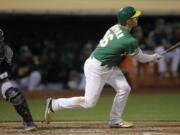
point(116, 44)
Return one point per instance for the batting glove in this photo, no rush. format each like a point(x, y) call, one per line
point(157, 57)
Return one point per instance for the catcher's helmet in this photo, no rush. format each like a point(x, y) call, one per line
point(126, 13)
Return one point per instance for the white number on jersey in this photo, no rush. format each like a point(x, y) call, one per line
point(117, 31)
point(109, 35)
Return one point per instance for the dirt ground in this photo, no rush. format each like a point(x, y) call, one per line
point(92, 128)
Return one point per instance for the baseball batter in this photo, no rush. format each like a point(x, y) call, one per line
point(102, 67)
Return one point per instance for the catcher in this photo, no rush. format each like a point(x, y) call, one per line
point(9, 92)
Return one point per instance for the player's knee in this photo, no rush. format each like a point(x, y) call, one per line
point(14, 96)
point(35, 79)
point(11, 94)
point(127, 89)
point(36, 76)
point(89, 103)
point(4, 87)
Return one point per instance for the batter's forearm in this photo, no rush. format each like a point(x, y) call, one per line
point(144, 58)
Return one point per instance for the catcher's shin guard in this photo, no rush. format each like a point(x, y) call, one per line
point(16, 98)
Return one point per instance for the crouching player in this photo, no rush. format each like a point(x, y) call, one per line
point(9, 92)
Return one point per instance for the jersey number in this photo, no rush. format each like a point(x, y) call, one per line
point(109, 36)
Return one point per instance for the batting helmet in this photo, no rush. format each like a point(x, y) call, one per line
point(126, 13)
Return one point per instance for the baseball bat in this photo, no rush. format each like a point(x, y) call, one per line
point(170, 49)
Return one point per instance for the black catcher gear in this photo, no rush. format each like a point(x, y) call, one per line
point(1, 35)
point(16, 98)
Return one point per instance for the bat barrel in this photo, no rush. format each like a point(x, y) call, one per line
point(171, 48)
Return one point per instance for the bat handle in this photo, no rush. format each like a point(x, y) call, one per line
point(163, 53)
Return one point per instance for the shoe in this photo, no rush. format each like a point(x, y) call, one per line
point(48, 111)
point(122, 124)
point(29, 126)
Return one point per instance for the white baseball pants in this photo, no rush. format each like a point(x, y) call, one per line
point(96, 77)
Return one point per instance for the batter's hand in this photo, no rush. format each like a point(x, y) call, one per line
point(157, 57)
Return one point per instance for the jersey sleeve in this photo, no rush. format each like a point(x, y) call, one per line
point(5, 66)
point(133, 47)
point(5, 71)
point(8, 54)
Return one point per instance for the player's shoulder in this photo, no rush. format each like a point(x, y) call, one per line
point(132, 40)
point(127, 34)
point(118, 28)
point(129, 39)
point(8, 53)
point(114, 26)
point(8, 49)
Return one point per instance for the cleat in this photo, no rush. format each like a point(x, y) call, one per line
point(123, 124)
point(30, 126)
point(48, 111)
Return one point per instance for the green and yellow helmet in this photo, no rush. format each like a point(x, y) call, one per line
point(126, 13)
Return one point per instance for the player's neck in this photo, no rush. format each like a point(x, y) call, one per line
point(128, 27)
